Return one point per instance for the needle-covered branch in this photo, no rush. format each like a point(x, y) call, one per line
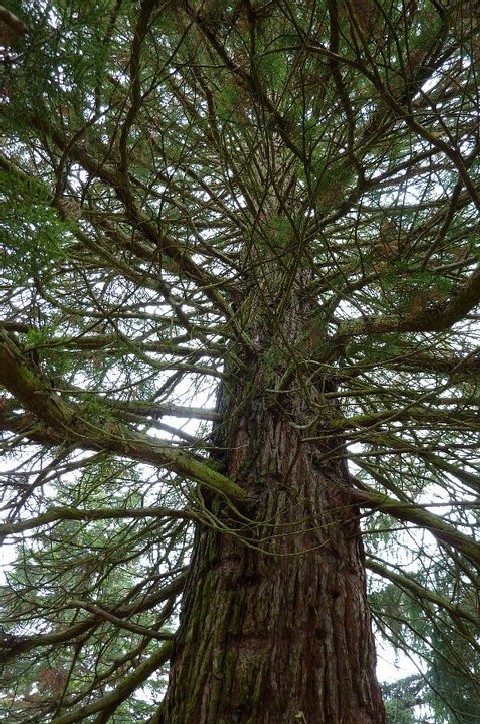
point(68, 421)
point(110, 702)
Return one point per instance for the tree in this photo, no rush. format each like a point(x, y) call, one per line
point(447, 687)
point(239, 292)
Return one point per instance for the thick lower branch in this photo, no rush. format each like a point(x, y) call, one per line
point(35, 393)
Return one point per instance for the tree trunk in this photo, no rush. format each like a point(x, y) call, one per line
point(275, 626)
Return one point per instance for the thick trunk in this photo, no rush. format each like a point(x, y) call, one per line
point(275, 625)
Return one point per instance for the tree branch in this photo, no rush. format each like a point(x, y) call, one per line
point(66, 513)
point(37, 396)
point(112, 700)
point(412, 513)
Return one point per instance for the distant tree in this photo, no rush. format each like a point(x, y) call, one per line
point(449, 686)
point(239, 342)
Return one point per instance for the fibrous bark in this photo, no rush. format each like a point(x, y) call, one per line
point(275, 626)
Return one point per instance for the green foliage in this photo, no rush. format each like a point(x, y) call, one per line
point(72, 564)
point(449, 686)
point(398, 712)
point(229, 103)
point(284, 187)
point(272, 68)
point(454, 678)
point(33, 237)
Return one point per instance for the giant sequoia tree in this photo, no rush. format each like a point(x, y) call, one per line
point(239, 353)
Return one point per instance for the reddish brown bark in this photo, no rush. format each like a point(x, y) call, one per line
point(275, 626)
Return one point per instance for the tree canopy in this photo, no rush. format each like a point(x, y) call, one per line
point(171, 172)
